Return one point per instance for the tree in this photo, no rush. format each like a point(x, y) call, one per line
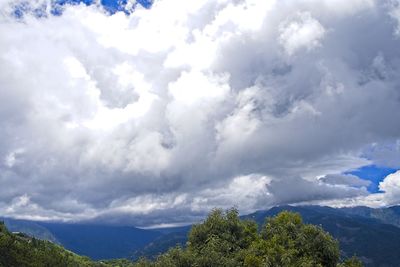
point(221, 238)
point(287, 241)
point(224, 240)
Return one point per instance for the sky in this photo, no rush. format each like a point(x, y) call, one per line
point(154, 113)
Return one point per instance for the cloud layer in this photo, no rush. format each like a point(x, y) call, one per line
point(160, 115)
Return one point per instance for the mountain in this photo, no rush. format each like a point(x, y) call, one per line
point(101, 241)
point(389, 215)
point(92, 240)
point(171, 238)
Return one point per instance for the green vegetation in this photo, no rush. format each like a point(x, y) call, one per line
point(30, 228)
point(225, 240)
point(222, 240)
point(20, 250)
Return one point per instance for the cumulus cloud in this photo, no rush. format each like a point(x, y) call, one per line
point(158, 115)
point(303, 32)
point(391, 188)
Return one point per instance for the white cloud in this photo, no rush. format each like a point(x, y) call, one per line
point(395, 14)
point(391, 188)
point(193, 88)
point(302, 32)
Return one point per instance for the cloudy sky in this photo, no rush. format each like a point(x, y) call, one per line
point(154, 113)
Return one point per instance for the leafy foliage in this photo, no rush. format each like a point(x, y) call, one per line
point(375, 242)
point(223, 239)
point(352, 262)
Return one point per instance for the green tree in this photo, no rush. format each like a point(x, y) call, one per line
point(224, 240)
point(287, 241)
point(221, 238)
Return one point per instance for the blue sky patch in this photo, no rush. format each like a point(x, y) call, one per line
point(373, 173)
point(112, 6)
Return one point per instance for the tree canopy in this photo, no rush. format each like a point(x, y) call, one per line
point(223, 239)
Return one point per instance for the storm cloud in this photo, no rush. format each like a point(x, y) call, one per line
point(158, 115)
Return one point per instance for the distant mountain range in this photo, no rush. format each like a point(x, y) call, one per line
point(92, 240)
point(371, 234)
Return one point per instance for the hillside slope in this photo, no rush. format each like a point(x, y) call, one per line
point(20, 250)
point(390, 215)
point(30, 228)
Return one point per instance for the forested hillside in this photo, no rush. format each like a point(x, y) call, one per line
point(20, 250)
